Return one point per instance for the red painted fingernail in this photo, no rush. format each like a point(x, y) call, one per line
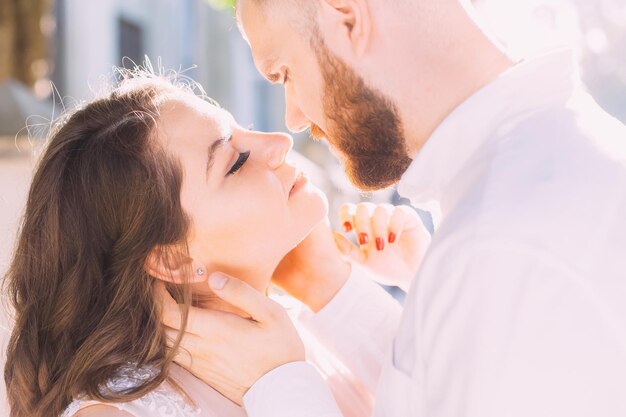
point(392, 237)
point(347, 226)
point(380, 243)
point(363, 239)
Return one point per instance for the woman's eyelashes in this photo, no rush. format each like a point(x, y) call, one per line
point(243, 157)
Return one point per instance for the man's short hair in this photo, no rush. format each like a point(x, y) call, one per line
point(303, 11)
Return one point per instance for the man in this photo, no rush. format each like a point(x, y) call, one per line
point(519, 305)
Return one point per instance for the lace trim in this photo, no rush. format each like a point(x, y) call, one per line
point(163, 401)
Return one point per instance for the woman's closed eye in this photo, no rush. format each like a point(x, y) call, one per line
point(243, 157)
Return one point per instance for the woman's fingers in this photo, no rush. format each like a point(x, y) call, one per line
point(380, 225)
point(368, 221)
point(346, 216)
point(397, 224)
point(377, 225)
point(404, 218)
point(363, 224)
point(356, 218)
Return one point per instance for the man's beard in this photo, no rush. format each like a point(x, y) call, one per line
point(362, 125)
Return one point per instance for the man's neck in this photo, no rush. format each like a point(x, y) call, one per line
point(429, 84)
point(472, 74)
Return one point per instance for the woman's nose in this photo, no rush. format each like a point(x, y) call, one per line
point(276, 147)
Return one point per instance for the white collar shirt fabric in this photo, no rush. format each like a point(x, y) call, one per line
point(519, 308)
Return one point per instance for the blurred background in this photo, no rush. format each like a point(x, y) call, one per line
point(57, 53)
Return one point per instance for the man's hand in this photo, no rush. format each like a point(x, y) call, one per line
point(315, 270)
point(391, 240)
point(228, 352)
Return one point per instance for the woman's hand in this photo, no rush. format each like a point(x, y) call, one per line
point(316, 269)
point(391, 240)
point(227, 351)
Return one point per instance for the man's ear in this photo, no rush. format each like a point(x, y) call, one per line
point(346, 24)
point(170, 264)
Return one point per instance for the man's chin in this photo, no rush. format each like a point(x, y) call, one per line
point(367, 183)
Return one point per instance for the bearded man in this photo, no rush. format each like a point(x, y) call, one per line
point(519, 307)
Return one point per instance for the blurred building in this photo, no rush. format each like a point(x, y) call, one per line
point(185, 35)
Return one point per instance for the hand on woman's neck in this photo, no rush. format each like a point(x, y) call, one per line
point(205, 298)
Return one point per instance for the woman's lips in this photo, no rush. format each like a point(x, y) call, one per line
point(300, 182)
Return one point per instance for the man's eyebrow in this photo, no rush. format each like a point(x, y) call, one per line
point(213, 149)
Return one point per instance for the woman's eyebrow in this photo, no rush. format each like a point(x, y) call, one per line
point(213, 149)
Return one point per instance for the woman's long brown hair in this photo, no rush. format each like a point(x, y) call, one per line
point(103, 197)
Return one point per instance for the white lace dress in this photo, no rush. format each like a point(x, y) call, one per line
point(164, 401)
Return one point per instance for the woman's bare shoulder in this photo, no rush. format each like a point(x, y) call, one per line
point(102, 410)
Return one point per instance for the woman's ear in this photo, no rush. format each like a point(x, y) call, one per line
point(346, 24)
point(170, 264)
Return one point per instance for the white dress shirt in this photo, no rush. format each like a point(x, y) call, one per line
point(519, 308)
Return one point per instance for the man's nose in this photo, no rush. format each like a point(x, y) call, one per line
point(295, 120)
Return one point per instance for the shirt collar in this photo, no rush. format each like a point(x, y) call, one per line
point(528, 86)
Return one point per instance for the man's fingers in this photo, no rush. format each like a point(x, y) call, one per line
point(243, 296)
point(171, 336)
point(182, 356)
point(199, 321)
point(170, 310)
point(218, 328)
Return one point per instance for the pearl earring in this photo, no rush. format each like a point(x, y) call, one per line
point(200, 271)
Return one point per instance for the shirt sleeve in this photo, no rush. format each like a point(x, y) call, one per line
point(293, 389)
point(357, 326)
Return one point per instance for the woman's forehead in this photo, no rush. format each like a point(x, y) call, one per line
point(187, 109)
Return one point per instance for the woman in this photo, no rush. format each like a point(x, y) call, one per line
point(150, 184)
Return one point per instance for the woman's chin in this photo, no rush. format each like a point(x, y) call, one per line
point(318, 207)
point(318, 216)
point(310, 211)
